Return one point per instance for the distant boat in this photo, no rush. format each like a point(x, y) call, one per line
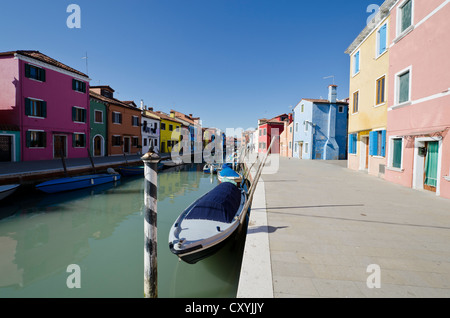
point(208, 223)
point(173, 163)
point(131, 171)
point(7, 190)
point(214, 166)
point(75, 183)
point(229, 174)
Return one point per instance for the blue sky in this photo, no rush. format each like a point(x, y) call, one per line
point(229, 62)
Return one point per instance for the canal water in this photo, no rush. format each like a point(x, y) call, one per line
point(102, 231)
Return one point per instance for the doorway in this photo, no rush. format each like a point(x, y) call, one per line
point(427, 164)
point(59, 146)
point(5, 148)
point(98, 146)
point(430, 169)
point(126, 145)
point(364, 153)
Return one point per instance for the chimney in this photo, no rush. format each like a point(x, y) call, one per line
point(150, 109)
point(142, 104)
point(332, 94)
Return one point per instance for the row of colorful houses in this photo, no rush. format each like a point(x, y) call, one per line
point(49, 110)
point(395, 123)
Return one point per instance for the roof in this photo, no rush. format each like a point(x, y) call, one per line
point(187, 118)
point(323, 101)
point(43, 58)
point(111, 100)
point(167, 117)
point(104, 86)
point(150, 114)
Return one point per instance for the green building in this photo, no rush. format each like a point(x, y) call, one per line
point(98, 115)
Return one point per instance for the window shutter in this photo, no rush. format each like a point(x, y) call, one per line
point(44, 109)
point(73, 140)
point(84, 140)
point(41, 75)
point(84, 115)
point(382, 39)
point(74, 113)
point(28, 139)
point(44, 138)
point(74, 84)
point(373, 144)
point(27, 70)
point(350, 144)
point(383, 143)
point(120, 118)
point(356, 62)
point(27, 107)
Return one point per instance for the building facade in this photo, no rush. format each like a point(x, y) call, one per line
point(286, 140)
point(267, 129)
point(151, 124)
point(369, 76)
point(98, 122)
point(320, 128)
point(9, 143)
point(48, 101)
point(418, 144)
point(170, 133)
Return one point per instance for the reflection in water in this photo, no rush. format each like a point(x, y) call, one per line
point(101, 230)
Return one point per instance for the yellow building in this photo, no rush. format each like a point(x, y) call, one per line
point(169, 136)
point(369, 66)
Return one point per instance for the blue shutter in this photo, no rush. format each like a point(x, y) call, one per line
point(352, 144)
point(357, 62)
point(373, 143)
point(383, 143)
point(382, 39)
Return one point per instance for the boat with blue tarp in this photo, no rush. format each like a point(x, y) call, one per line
point(75, 183)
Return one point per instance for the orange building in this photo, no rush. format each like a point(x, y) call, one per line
point(123, 123)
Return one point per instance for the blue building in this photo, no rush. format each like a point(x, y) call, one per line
point(320, 128)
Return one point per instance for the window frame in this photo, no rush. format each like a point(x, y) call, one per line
point(113, 117)
point(36, 131)
point(391, 153)
point(397, 87)
point(378, 44)
point(377, 103)
point(356, 72)
point(83, 140)
point(96, 111)
point(40, 74)
point(43, 108)
point(400, 8)
point(353, 102)
point(83, 112)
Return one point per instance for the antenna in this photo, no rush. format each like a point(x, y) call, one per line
point(86, 58)
point(331, 76)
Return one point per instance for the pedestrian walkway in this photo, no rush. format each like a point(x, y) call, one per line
point(327, 224)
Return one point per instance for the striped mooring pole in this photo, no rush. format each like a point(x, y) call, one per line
point(150, 160)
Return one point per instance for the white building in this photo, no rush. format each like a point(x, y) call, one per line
point(151, 124)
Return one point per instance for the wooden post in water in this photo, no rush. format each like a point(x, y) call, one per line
point(150, 160)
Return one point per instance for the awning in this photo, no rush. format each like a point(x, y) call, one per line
point(427, 133)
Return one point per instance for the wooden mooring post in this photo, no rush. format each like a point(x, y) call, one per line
point(150, 226)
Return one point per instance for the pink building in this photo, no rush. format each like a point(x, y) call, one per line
point(48, 101)
point(418, 144)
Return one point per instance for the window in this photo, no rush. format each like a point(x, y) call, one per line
point(382, 40)
point(265, 132)
point(98, 117)
point(34, 72)
point(35, 108)
point(306, 126)
point(296, 127)
point(290, 129)
point(396, 150)
point(116, 141)
point(341, 109)
point(403, 83)
point(145, 142)
point(135, 121)
point(135, 142)
point(296, 147)
point(79, 140)
point(116, 118)
point(355, 102)
point(163, 126)
point(78, 115)
point(303, 108)
point(78, 86)
point(352, 139)
point(356, 63)
point(405, 16)
point(36, 139)
point(260, 132)
point(381, 88)
point(170, 127)
point(306, 148)
point(290, 144)
point(377, 142)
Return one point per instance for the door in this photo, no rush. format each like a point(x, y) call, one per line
point(126, 144)
point(5, 148)
point(300, 144)
point(59, 146)
point(364, 155)
point(98, 140)
point(431, 166)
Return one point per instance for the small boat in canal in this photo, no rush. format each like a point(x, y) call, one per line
point(211, 168)
point(172, 163)
point(75, 183)
point(131, 171)
point(7, 190)
point(228, 173)
point(208, 223)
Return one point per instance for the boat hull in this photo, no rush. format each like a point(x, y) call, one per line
point(75, 183)
point(131, 171)
point(7, 190)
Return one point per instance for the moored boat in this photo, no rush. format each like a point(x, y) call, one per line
point(172, 163)
point(208, 223)
point(131, 171)
point(211, 168)
point(75, 183)
point(229, 174)
point(7, 190)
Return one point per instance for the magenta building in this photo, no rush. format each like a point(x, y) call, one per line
point(48, 101)
point(418, 144)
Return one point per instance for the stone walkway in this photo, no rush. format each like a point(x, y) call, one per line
point(325, 225)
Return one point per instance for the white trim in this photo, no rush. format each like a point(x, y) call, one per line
point(50, 67)
point(439, 8)
point(385, 90)
point(102, 150)
point(98, 122)
point(80, 122)
point(353, 102)
point(397, 87)
point(354, 63)
point(390, 156)
point(419, 161)
point(398, 31)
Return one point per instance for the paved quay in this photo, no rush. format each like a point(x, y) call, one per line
point(316, 228)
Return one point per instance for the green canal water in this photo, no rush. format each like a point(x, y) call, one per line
point(102, 231)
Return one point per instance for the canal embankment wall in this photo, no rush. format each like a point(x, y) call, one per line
point(256, 273)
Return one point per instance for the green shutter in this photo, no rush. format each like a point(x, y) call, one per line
point(44, 109)
point(41, 75)
point(74, 113)
point(27, 70)
point(28, 139)
point(397, 153)
point(27, 107)
point(74, 84)
point(84, 87)
point(44, 138)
